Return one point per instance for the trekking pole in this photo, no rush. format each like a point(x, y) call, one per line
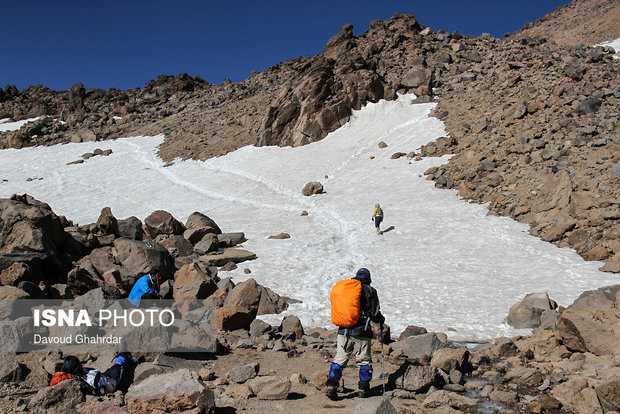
point(382, 361)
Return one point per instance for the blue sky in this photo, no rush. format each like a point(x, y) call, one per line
point(125, 44)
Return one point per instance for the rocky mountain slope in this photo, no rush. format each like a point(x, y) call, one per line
point(585, 22)
point(533, 123)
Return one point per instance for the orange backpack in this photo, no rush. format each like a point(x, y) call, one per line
point(59, 377)
point(346, 302)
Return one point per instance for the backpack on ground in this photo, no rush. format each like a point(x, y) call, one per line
point(346, 302)
point(59, 377)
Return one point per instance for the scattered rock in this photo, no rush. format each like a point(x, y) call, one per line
point(270, 387)
point(312, 188)
point(527, 313)
point(281, 236)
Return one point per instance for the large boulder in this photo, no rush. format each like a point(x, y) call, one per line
point(270, 387)
point(256, 298)
point(416, 77)
point(412, 330)
point(141, 257)
point(107, 223)
point(190, 282)
point(130, 228)
point(177, 391)
point(207, 244)
point(177, 245)
point(259, 328)
point(198, 220)
point(498, 348)
point(527, 313)
point(415, 377)
point(420, 345)
point(291, 323)
point(162, 222)
point(232, 317)
point(243, 373)
point(98, 262)
point(61, 398)
point(591, 323)
point(448, 359)
point(17, 335)
point(31, 233)
point(10, 369)
point(313, 187)
point(18, 272)
point(609, 395)
point(444, 398)
point(226, 256)
point(231, 239)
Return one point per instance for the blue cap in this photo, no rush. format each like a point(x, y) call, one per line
point(363, 275)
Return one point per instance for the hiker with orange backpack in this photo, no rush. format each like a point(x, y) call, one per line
point(354, 305)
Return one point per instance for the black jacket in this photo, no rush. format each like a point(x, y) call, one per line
point(370, 308)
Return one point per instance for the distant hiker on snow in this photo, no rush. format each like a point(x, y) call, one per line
point(377, 216)
point(147, 287)
point(92, 381)
point(354, 304)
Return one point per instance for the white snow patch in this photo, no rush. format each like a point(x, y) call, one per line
point(14, 126)
point(444, 264)
point(613, 43)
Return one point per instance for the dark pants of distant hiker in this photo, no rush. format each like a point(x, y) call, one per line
point(346, 348)
point(378, 220)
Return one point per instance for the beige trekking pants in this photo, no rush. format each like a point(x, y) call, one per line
point(359, 346)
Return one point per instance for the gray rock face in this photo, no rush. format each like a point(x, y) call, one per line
point(17, 334)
